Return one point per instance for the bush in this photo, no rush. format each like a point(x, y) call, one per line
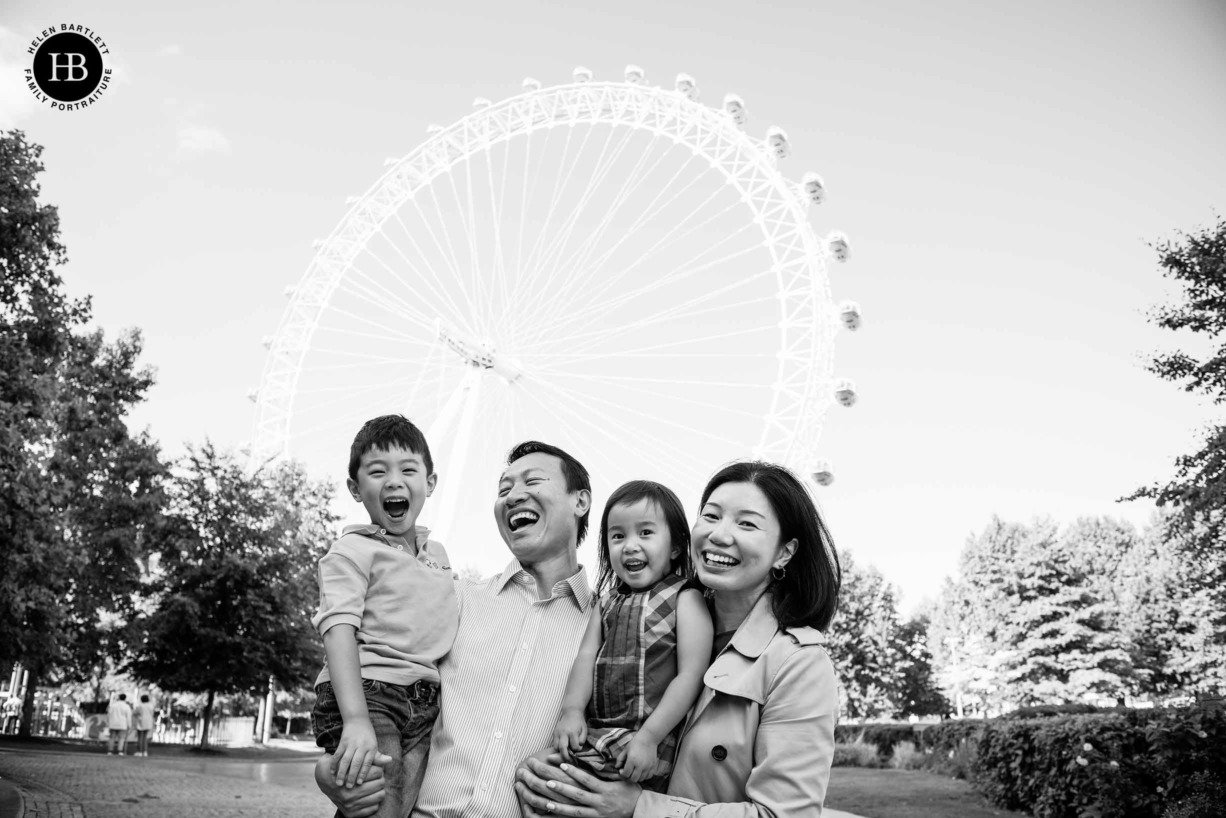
point(858, 753)
point(884, 736)
point(1128, 763)
point(1206, 798)
point(908, 757)
point(1043, 711)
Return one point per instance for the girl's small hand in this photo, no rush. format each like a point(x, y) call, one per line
point(570, 734)
point(638, 760)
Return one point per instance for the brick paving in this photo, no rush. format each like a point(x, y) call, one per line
point(87, 785)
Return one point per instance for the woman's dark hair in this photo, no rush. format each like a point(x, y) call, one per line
point(808, 594)
point(664, 499)
point(573, 472)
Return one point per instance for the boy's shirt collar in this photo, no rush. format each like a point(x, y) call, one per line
point(421, 534)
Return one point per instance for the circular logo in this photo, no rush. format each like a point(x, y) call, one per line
point(68, 66)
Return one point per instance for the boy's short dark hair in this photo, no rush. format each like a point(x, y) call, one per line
point(572, 471)
point(384, 432)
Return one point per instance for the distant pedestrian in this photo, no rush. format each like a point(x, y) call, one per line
point(143, 718)
point(119, 722)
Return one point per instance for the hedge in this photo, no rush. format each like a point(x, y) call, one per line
point(885, 736)
point(1119, 763)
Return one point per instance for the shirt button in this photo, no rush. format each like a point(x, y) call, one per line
point(485, 786)
point(719, 752)
point(525, 646)
point(511, 688)
point(498, 735)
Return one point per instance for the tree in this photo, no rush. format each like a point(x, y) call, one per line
point(918, 694)
point(864, 643)
point(77, 491)
point(1025, 622)
point(1197, 492)
point(1169, 615)
point(236, 589)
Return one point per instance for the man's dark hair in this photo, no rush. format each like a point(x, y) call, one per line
point(384, 432)
point(572, 471)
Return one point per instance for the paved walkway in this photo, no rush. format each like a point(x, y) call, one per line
point(46, 784)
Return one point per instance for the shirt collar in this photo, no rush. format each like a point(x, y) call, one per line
point(575, 586)
point(421, 534)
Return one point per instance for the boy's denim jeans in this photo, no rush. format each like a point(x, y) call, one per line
point(402, 717)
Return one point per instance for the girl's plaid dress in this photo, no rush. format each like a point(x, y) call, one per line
point(636, 663)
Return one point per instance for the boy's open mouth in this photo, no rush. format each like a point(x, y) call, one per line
point(522, 519)
point(396, 507)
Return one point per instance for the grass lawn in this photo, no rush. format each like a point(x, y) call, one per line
point(906, 794)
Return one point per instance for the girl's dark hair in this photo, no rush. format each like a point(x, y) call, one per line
point(808, 594)
point(674, 517)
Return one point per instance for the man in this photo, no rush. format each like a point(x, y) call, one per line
point(503, 681)
point(119, 722)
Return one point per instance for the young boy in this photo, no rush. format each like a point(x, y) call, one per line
point(387, 613)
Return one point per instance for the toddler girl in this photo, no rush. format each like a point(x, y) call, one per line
point(640, 666)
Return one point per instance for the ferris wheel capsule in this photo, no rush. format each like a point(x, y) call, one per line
point(814, 187)
point(687, 87)
point(530, 84)
point(839, 246)
point(433, 129)
point(822, 473)
point(481, 102)
point(777, 139)
point(849, 312)
point(634, 75)
point(582, 74)
point(253, 394)
point(735, 106)
point(267, 341)
point(845, 392)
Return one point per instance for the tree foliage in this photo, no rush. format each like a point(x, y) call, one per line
point(864, 643)
point(236, 587)
point(1197, 492)
point(78, 493)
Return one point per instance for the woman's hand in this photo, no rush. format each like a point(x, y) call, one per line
point(353, 802)
point(545, 789)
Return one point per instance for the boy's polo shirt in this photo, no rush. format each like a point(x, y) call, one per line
point(398, 594)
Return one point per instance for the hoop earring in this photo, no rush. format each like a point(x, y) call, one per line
point(782, 569)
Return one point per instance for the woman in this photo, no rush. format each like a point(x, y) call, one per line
point(760, 739)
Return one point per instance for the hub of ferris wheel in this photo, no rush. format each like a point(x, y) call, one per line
point(479, 354)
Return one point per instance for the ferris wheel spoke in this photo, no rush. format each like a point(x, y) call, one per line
point(448, 248)
point(602, 167)
point(612, 422)
point(378, 296)
point(374, 289)
point(629, 385)
point(352, 399)
point(607, 429)
point(367, 321)
point(433, 282)
point(559, 183)
point(597, 306)
point(583, 275)
point(598, 310)
point(596, 339)
point(636, 177)
point(498, 265)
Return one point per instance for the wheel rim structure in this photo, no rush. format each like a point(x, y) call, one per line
point(661, 313)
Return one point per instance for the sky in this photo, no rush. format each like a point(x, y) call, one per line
point(1000, 168)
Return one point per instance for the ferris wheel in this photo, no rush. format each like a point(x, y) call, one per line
point(612, 267)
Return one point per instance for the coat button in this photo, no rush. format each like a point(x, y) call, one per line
point(719, 752)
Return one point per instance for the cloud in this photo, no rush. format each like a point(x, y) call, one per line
point(196, 139)
point(16, 100)
point(171, 50)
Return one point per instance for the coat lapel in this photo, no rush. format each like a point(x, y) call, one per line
point(731, 672)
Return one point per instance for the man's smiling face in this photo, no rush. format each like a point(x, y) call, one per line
point(536, 515)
